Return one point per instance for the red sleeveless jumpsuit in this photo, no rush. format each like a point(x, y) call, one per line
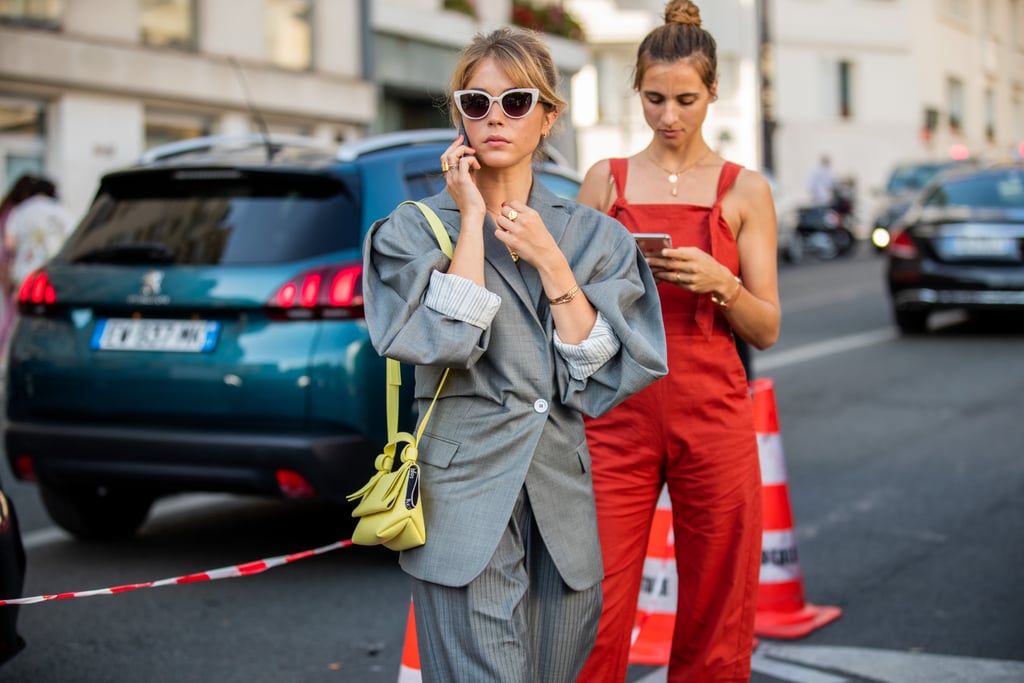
point(692, 430)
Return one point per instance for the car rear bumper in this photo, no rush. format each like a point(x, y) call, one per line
point(956, 298)
point(165, 460)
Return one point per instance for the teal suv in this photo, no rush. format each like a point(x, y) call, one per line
point(202, 328)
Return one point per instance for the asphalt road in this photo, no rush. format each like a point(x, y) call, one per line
point(904, 469)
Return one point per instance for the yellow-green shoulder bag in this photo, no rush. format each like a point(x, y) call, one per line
point(390, 511)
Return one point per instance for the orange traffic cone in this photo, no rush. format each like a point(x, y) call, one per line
point(656, 606)
point(409, 672)
point(782, 611)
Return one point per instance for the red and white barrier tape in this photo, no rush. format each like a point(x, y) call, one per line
point(231, 572)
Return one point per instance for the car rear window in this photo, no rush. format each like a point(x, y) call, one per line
point(991, 189)
point(215, 216)
point(914, 177)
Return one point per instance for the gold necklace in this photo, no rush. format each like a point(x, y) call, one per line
point(673, 176)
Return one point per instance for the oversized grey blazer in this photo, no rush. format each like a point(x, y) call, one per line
point(510, 413)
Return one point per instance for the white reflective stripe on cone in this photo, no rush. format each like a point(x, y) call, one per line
point(773, 463)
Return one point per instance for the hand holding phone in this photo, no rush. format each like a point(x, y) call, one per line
point(651, 243)
point(465, 135)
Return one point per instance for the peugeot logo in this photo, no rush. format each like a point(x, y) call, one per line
point(150, 294)
point(151, 282)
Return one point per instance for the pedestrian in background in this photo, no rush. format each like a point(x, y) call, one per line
point(821, 183)
point(19, 191)
point(545, 312)
point(693, 431)
point(35, 230)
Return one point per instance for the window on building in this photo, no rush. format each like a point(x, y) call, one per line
point(1014, 37)
point(955, 95)
point(289, 33)
point(168, 23)
point(845, 81)
point(990, 115)
point(163, 127)
point(958, 10)
point(41, 13)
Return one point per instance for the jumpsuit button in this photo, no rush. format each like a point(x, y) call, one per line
point(540, 405)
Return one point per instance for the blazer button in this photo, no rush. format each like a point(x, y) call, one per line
point(540, 405)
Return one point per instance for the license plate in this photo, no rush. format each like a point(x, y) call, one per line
point(966, 247)
point(129, 334)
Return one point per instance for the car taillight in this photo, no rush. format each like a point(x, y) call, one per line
point(294, 485)
point(36, 290)
point(328, 292)
point(902, 246)
point(24, 468)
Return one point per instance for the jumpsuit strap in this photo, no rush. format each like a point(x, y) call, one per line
point(705, 313)
point(619, 169)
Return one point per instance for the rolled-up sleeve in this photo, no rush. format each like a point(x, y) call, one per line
point(462, 299)
point(585, 358)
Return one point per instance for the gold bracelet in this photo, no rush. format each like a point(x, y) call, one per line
point(565, 298)
point(726, 303)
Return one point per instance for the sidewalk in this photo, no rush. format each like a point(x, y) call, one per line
point(781, 663)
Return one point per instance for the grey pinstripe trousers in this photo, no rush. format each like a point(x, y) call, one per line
point(517, 622)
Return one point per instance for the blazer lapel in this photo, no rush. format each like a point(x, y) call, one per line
point(522, 279)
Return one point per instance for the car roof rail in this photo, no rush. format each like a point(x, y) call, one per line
point(350, 151)
point(227, 142)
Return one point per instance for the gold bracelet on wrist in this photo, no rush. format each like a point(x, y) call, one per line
point(565, 298)
point(726, 303)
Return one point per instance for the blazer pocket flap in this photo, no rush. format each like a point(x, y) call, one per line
point(436, 451)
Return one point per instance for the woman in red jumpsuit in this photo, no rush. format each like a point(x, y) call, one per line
point(692, 430)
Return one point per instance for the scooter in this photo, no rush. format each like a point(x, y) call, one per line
point(825, 232)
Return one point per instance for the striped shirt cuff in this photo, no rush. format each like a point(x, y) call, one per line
point(457, 297)
point(585, 358)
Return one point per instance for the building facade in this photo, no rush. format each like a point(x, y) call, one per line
point(871, 83)
point(87, 85)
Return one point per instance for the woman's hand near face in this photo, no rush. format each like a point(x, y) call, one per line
point(528, 236)
point(461, 164)
point(458, 165)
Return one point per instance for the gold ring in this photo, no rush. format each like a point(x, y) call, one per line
point(444, 166)
point(513, 215)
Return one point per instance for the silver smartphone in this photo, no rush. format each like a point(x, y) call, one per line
point(651, 243)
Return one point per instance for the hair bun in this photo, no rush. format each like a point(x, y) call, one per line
point(682, 12)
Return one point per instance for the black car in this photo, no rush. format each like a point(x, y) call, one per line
point(905, 183)
point(960, 247)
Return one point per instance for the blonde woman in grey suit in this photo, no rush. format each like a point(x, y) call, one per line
point(546, 312)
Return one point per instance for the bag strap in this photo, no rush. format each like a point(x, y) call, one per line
point(394, 368)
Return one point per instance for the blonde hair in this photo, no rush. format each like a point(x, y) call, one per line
point(521, 54)
point(680, 37)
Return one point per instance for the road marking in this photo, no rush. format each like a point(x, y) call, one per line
point(892, 665)
point(792, 673)
point(806, 664)
point(801, 354)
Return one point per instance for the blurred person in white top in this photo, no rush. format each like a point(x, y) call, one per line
point(36, 229)
point(822, 182)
